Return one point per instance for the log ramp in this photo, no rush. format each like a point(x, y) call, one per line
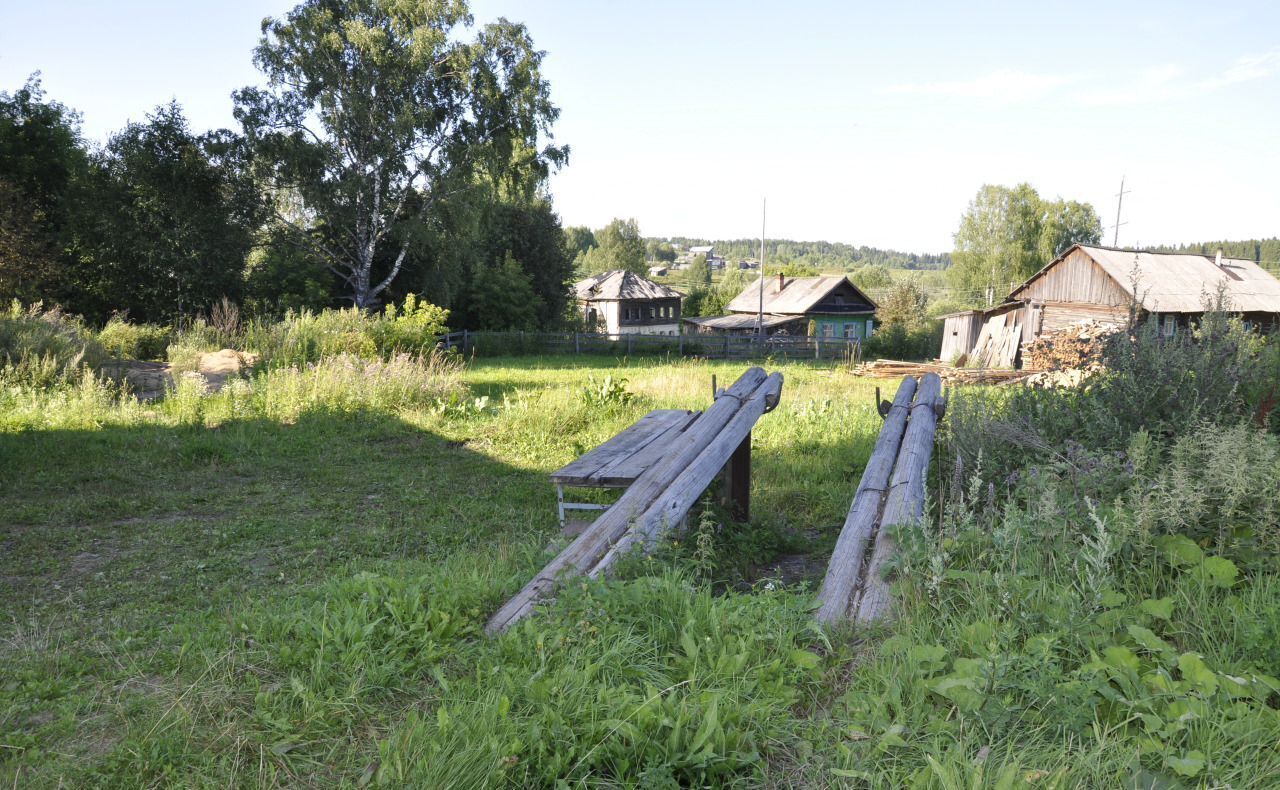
point(890, 493)
point(660, 498)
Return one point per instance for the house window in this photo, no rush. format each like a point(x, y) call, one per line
point(828, 330)
point(1169, 326)
point(651, 311)
point(850, 331)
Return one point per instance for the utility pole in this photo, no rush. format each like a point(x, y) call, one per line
point(764, 204)
point(1115, 237)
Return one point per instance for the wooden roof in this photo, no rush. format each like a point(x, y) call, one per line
point(1178, 282)
point(797, 295)
point(618, 284)
point(741, 321)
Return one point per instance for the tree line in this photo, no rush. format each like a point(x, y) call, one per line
point(392, 148)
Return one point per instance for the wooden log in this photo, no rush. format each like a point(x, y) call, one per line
point(836, 596)
point(588, 548)
point(672, 506)
point(904, 502)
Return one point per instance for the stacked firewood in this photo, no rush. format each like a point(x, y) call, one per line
point(1077, 347)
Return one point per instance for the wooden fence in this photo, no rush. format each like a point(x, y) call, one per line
point(706, 346)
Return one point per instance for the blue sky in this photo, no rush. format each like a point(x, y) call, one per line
point(869, 123)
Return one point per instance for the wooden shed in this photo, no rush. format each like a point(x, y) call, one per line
point(959, 333)
point(1105, 284)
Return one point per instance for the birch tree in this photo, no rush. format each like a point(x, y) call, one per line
point(375, 111)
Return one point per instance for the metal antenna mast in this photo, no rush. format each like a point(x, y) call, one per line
point(764, 204)
point(1115, 236)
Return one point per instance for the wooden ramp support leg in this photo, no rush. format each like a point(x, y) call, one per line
point(891, 493)
point(737, 482)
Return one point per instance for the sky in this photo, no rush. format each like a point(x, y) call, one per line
point(860, 122)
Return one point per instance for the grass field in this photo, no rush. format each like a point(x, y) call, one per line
point(144, 548)
point(285, 584)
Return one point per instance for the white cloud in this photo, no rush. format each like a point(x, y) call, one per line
point(1166, 82)
point(1249, 67)
point(1004, 85)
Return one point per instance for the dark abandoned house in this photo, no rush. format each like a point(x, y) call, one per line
point(621, 302)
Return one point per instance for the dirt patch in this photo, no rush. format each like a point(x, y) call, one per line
point(793, 569)
point(87, 562)
point(149, 381)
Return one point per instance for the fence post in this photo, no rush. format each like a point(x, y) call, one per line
point(466, 342)
point(577, 346)
point(726, 345)
point(629, 343)
point(681, 341)
point(817, 348)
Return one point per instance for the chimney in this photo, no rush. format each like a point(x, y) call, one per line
point(1218, 260)
point(781, 284)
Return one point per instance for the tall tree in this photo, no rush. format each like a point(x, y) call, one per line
point(168, 224)
point(375, 111)
point(41, 160)
point(1008, 234)
point(618, 246)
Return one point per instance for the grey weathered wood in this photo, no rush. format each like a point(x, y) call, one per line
point(904, 503)
point(589, 547)
point(737, 478)
point(627, 469)
point(673, 504)
point(635, 438)
point(836, 597)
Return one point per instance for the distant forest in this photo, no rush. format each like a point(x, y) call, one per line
point(1265, 252)
point(820, 255)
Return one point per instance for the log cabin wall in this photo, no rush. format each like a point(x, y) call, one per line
point(1077, 279)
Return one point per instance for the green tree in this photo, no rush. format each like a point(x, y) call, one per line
point(502, 297)
point(698, 272)
point(618, 246)
point(905, 304)
point(375, 112)
point(166, 224)
point(41, 160)
point(873, 275)
point(579, 239)
point(531, 235)
point(1008, 234)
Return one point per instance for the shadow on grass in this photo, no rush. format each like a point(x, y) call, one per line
point(123, 519)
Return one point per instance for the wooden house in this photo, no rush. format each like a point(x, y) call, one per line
point(831, 304)
point(621, 302)
point(1104, 284)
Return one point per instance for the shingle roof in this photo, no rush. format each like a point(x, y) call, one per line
point(797, 296)
point(1179, 283)
point(618, 284)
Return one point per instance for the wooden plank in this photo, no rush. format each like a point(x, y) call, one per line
point(624, 470)
point(631, 440)
point(904, 502)
point(836, 597)
point(588, 548)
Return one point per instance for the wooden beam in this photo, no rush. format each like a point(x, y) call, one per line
point(904, 502)
point(837, 596)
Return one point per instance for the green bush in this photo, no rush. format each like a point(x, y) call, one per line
point(306, 336)
point(899, 341)
point(124, 340)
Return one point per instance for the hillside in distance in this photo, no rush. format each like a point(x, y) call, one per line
point(820, 255)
